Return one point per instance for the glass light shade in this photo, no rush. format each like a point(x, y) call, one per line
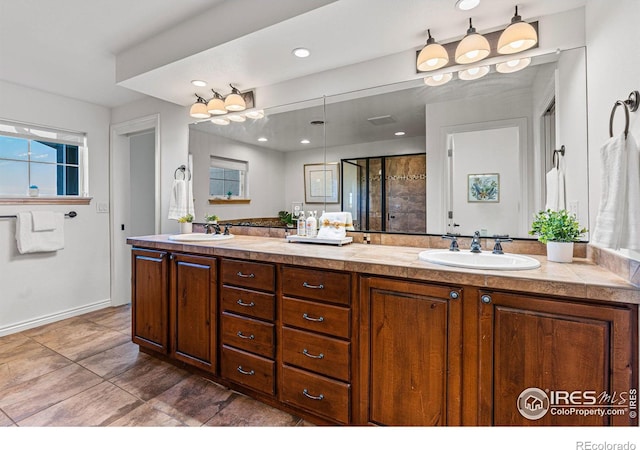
point(438, 80)
point(473, 73)
point(216, 106)
point(472, 48)
point(517, 37)
point(234, 102)
point(220, 121)
point(513, 66)
point(432, 57)
point(236, 118)
point(256, 114)
point(199, 110)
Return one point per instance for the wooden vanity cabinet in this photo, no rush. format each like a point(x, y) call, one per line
point(247, 324)
point(194, 310)
point(410, 353)
point(150, 299)
point(553, 345)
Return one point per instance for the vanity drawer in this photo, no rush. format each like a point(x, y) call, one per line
point(253, 275)
point(316, 393)
point(248, 334)
point(313, 316)
point(321, 354)
point(332, 287)
point(250, 303)
point(247, 369)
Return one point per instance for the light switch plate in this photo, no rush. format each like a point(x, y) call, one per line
point(102, 207)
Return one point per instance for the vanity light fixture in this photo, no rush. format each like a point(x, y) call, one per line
point(220, 121)
point(234, 101)
point(305, 141)
point(433, 56)
point(517, 37)
point(439, 79)
point(473, 73)
point(216, 104)
point(466, 5)
point(255, 114)
point(236, 117)
point(199, 83)
point(513, 66)
point(473, 47)
point(199, 109)
point(301, 52)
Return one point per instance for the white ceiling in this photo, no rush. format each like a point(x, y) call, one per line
point(72, 47)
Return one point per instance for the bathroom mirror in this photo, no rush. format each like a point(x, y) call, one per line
point(500, 130)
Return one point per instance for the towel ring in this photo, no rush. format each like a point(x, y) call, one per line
point(184, 171)
point(556, 159)
point(630, 104)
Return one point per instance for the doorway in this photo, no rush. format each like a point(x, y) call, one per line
point(135, 195)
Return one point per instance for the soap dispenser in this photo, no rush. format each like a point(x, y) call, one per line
point(312, 225)
point(302, 224)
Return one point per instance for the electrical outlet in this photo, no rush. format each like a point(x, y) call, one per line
point(574, 208)
point(102, 207)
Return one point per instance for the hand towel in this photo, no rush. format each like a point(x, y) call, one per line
point(334, 225)
point(613, 198)
point(630, 235)
point(30, 241)
point(178, 200)
point(555, 190)
point(43, 220)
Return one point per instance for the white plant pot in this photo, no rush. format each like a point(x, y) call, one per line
point(186, 227)
point(560, 251)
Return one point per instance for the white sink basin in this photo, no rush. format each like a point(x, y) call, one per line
point(484, 260)
point(200, 237)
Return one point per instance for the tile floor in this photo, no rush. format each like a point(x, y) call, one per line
point(85, 371)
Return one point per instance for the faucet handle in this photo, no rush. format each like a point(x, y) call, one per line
point(453, 247)
point(497, 248)
point(226, 229)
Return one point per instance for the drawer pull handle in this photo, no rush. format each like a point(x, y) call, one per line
point(241, 303)
point(311, 286)
point(312, 319)
point(243, 275)
point(245, 372)
point(305, 352)
point(312, 397)
point(250, 337)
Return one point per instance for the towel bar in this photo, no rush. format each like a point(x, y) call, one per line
point(70, 214)
point(630, 104)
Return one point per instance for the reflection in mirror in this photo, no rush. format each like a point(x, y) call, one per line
point(499, 129)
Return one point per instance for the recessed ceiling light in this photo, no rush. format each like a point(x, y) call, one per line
point(199, 83)
point(301, 52)
point(305, 141)
point(262, 139)
point(466, 5)
point(399, 133)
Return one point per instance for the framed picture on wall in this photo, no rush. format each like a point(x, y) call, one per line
point(321, 183)
point(483, 188)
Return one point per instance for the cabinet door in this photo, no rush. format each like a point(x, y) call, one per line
point(150, 299)
point(411, 346)
point(193, 315)
point(565, 355)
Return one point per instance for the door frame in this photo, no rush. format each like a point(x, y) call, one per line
point(119, 147)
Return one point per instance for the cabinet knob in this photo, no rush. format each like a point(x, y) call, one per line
point(486, 299)
point(454, 295)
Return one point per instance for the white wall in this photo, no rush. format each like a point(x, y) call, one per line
point(613, 46)
point(44, 287)
point(266, 177)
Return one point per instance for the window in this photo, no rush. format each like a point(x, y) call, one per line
point(52, 160)
point(227, 176)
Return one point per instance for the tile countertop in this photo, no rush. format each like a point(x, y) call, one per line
point(580, 279)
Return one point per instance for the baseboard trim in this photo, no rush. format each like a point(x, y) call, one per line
point(50, 318)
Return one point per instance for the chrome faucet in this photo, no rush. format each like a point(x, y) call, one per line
point(208, 226)
point(475, 243)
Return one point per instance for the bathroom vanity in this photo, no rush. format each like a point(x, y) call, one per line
point(370, 334)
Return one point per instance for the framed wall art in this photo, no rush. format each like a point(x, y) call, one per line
point(321, 183)
point(483, 188)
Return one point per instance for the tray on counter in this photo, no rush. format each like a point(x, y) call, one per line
point(315, 240)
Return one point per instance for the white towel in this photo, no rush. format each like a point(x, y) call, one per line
point(555, 190)
point(43, 220)
point(334, 225)
point(618, 219)
point(178, 200)
point(30, 241)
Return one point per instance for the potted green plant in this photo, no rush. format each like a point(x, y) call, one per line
point(286, 218)
point(558, 230)
point(186, 224)
point(229, 194)
point(211, 218)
